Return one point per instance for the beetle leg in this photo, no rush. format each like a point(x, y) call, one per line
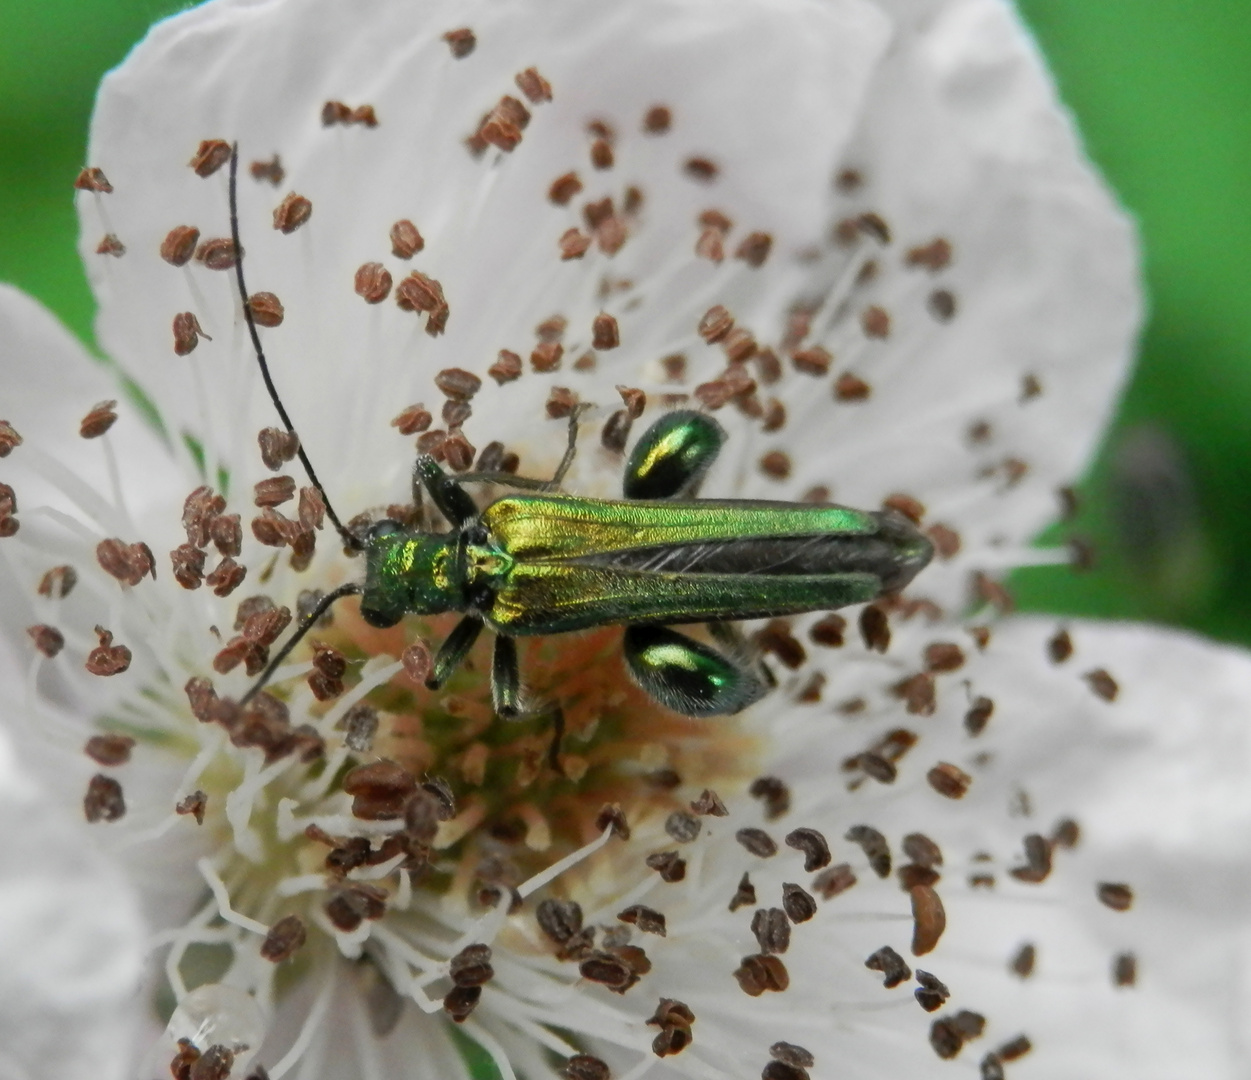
point(454, 650)
point(687, 676)
point(670, 459)
point(452, 500)
point(730, 637)
point(570, 451)
point(505, 678)
point(527, 483)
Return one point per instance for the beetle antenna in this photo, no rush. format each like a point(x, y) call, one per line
point(349, 539)
point(308, 622)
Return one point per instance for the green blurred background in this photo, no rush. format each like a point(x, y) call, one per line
point(1162, 90)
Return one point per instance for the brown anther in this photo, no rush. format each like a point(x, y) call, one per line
point(607, 970)
point(460, 1002)
point(1066, 834)
point(226, 532)
point(874, 846)
point(757, 842)
point(710, 245)
point(1124, 970)
point(828, 631)
point(605, 333)
point(657, 120)
point(363, 115)
point(285, 937)
point(373, 282)
point(674, 367)
point(934, 256)
point(277, 446)
point(458, 452)
point(716, 324)
point(798, 903)
point(546, 356)
point(850, 388)
point(611, 235)
point(104, 800)
point(775, 638)
point(274, 491)
point(218, 253)
point(335, 112)
point(560, 402)
point(875, 321)
point(744, 895)
point(812, 361)
point(948, 780)
point(709, 804)
point(92, 179)
point(109, 750)
point(417, 662)
point(1116, 896)
point(837, 879)
point(739, 345)
point(754, 248)
point(773, 794)
point(194, 805)
point(648, 920)
point(563, 189)
point(48, 639)
point(552, 328)
point(560, 920)
point(103, 415)
point(471, 966)
point(980, 636)
point(701, 169)
point(419, 292)
point(776, 464)
point(226, 576)
point(893, 967)
point(506, 368)
point(992, 592)
point(211, 156)
point(187, 333)
point(406, 241)
point(270, 170)
point(312, 509)
point(586, 1067)
point(379, 790)
point(57, 583)
point(1031, 387)
point(814, 846)
point(790, 1054)
point(1103, 685)
point(536, 88)
point(107, 658)
point(111, 244)
point(772, 930)
point(774, 417)
point(682, 827)
point(611, 816)
point(1022, 963)
point(875, 628)
point(461, 42)
point(457, 383)
point(946, 540)
point(1037, 860)
point(942, 304)
point(601, 154)
point(431, 442)
point(943, 656)
point(759, 973)
point(929, 920)
point(668, 864)
point(292, 212)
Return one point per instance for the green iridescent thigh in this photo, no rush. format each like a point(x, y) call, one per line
point(672, 456)
point(687, 676)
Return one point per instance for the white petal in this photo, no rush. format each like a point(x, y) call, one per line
point(70, 943)
point(344, 367)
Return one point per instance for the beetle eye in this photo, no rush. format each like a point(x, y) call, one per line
point(385, 527)
point(379, 618)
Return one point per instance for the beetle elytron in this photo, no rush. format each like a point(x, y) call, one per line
point(547, 563)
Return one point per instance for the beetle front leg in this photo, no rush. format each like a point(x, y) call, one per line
point(452, 500)
point(505, 678)
point(453, 651)
point(687, 676)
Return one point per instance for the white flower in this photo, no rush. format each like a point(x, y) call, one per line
point(933, 302)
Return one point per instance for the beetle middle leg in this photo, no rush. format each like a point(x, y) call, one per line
point(689, 677)
point(453, 651)
point(527, 483)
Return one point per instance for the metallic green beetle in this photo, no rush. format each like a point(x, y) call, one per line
point(548, 563)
